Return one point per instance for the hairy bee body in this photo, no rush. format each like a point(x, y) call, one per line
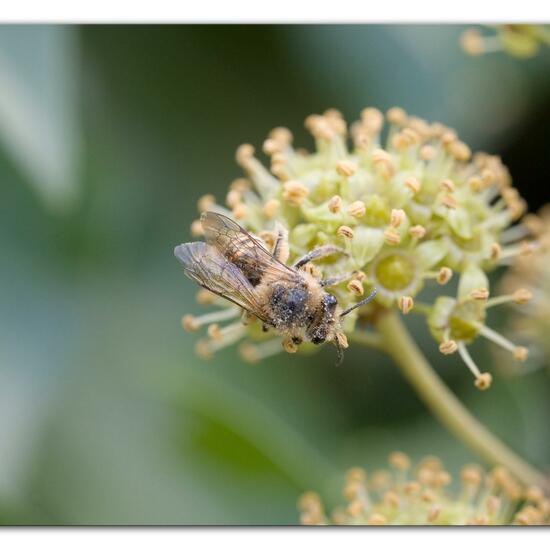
point(237, 267)
point(300, 309)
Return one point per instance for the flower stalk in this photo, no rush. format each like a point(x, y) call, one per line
point(445, 405)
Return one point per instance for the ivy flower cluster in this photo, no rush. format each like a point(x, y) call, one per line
point(517, 40)
point(403, 495)
point(409, 203)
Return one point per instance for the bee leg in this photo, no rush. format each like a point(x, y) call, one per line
point(321, 252)
point(265, 328)
point(281, 249)
point(336, 280)
point(341, 343)
point(289, 345)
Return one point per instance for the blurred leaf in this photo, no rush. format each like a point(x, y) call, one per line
point(39, 122)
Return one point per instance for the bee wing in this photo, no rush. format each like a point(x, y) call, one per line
point(205, 265)
point(243, 250)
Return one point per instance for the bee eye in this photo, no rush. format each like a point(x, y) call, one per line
point(330, 301)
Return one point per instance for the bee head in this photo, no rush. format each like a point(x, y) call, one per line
point(323, 326)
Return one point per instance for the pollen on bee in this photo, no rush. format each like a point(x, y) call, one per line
point(289, 346)
point(342, 339)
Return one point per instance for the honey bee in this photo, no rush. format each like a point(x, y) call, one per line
point(288, 299)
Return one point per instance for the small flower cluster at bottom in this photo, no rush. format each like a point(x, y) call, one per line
point(399, 496)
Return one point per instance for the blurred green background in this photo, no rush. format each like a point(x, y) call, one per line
point(109, 134)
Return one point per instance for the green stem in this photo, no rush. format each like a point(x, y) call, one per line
point(367, 338)
point(444, 404)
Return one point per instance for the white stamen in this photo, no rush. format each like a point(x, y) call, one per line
point(495, 337)
point(217, 316)
point(467, 358)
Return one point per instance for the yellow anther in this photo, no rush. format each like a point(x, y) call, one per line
point(417, 231)
point(206, 202)
point(345, 231)
point(357, 209)
point(335, 204)
point(483, 381)
point(444, 276)
point(397, 217)
point(405, 304)
point(346, 168)
point(392, 237)
point(271, 207)
point(356, 287)
point(448, 347)
point(480, 294)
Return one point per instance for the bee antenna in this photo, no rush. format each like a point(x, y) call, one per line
point(359, 304)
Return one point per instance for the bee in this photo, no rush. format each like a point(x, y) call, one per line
point(288, 299)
